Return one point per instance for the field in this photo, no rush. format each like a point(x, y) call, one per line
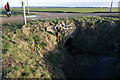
point(15, 13)
point(18, 11)
point(76, 10)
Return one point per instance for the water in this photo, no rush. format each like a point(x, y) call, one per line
point(44, 18)
point(57, 17)
point(34, 19)
point(48, 18)
point(52, 18)
point(49, 15)
point(31, 16)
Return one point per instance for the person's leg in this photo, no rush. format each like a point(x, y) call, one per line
point(10, 13)
point(7, 14)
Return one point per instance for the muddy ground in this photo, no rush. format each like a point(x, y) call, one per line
point(48, 15)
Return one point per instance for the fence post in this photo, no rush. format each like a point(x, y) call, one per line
point(111, 6)
point(24, 14)
point(28, 6)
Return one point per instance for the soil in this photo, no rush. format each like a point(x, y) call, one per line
point(48, 15)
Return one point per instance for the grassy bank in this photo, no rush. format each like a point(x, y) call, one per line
point(33, 52)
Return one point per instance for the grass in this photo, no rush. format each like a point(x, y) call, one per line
point(37, 39)
point(20, 55)
point(77, 10)
point(44, 44)
point(15, 13)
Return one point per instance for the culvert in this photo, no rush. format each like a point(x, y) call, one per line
point(68, 42)
point(69, 45)
point(94, 48)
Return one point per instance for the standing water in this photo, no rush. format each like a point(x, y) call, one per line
point(30, 16)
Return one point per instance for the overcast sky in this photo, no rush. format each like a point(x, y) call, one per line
point(63, 3)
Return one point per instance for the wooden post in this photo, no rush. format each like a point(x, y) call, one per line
point(119, 9)
point(1, 5)
point(111, 6)
point(24, 14)
point(28, 6)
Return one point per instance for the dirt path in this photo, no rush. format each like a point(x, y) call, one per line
point(45, 15)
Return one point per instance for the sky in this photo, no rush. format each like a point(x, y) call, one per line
point(62, 3)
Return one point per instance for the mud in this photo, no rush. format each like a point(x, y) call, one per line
point(48, 15)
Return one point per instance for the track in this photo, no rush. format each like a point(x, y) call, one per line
point(48, 15)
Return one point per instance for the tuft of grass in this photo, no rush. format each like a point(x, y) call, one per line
point(6, 47)
point(44, 44)
point(37, 39)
